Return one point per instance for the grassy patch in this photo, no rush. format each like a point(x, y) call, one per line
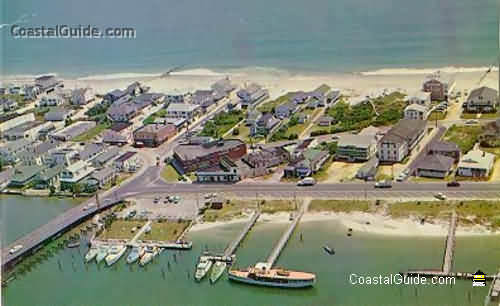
point(221, 123)
point(490, 115)
point(268, 107)
point(468, 116)
point(121, 229)
point(274, 206)
point(469, 212)
point(436, 115)
point(464, 136)
point(339, 205)
point(322, 174)
point(169, 173)
point(90, 134)
point(165, 231)
point(243, 133)
point(229, 211)
point(151, 119)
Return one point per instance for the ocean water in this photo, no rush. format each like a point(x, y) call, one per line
point(65, 280)
point(318, 35)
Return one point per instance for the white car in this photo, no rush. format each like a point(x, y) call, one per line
point(440, 196)
point(15, 249)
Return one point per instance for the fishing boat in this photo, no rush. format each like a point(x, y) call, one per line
point(202, 268)
point(101, 253)
point(217, 271)
point(149, 253)
point(115, 252)
point(264, 275)
point(329, 250)
point(91, 254)
point(135, 254)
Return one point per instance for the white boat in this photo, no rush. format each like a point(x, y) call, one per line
point(202, 268)
point(149, 254)
point(264, 275)
point(102, 253)
point(91, 254)
point(217, 271)
point(135, 254)
point(115, 253)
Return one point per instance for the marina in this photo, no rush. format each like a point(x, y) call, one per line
point(263, 273)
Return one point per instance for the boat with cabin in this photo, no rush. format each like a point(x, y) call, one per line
point(135, 254)
point(204, 265)
point(91, 254)
point(149, 253)
point(264, 275)
point(218, 269)
point(115, 253)
point(102, 253)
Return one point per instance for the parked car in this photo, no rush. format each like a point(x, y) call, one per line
point(440, 196)
point(383, 184)
point(132, 213)
point(15, 249)
point(308, 181)
point(471, 122)
point(453, 184)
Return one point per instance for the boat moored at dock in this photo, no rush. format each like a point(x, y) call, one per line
point(218, 269)
point(91, 254)
point(149, 253)
point(264, 275)
point(115, 253)
point(202, 268)
point(102, 253)
point(135, 254)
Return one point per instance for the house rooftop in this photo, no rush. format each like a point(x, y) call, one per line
point(405, 129)
point(436, 162)
point(360, 141)
point(182, 107)
point(477, 159)
point(443, 146)
point(126, 156)
point(189, 151)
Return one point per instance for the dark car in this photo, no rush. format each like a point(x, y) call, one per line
point(453, 184)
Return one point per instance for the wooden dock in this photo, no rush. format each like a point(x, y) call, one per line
point(231, 248)
point(450, 244)
point(275, 253)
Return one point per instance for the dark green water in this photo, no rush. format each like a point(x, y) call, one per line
point(79, 284)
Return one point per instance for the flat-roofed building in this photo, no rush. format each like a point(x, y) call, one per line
point(73, 130)
point(476, 163)
point(189, 157)
point(182, 110)
point(356, 147)
point(153, 135)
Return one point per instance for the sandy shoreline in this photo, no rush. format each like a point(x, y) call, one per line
point(378, 224)
point(278, 81)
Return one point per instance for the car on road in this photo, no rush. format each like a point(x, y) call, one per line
point(308, 181)
point(383, 184)
point(88, 206)
point(401, 177)
point(156, 200)
point(471, 122)
point(453, 184)
point(440, 196)
point(15, 249)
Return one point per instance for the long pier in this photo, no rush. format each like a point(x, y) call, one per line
point(450, 244)
point(494, 292)
point(275, 253)
point(234, 245)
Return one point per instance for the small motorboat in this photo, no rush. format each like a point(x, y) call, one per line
point(102, 253)
point(204, 265)
point(91, 254)
point(329, 250)
point(218, 269)
point(135, 254)
point(114, 254)
point(148, 256)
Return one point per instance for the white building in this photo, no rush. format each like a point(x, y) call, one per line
point(182, 110)
point(420, 98)
point(76, 172)
point(416, 112)
point(476, 163)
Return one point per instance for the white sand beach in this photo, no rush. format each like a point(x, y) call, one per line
point(366, 223)
point(280, 81)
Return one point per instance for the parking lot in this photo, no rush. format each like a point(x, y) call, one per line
point(156, 207)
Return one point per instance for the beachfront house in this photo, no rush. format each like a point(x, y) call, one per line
point(482, 100)
point(435, 166)
point(355, 148)
point(437, 87)
point(308, 163)
point(82, 96)
point(47, 83)
point(416, 112)
point(182, 110)
point(419, 97)
point(398, 142)
point(252, 94)
point(476, 163)
point(285, 110)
